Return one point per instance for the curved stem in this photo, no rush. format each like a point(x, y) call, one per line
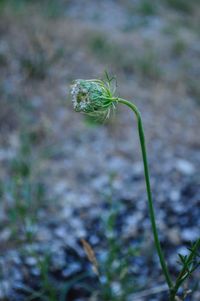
point(148, 188)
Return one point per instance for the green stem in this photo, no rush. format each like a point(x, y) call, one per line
point(148, 188)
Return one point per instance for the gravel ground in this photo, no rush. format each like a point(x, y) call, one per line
point(88, 170)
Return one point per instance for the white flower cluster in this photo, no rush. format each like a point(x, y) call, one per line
point(80, 96)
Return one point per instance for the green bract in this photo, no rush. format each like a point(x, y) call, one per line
point(93, 97)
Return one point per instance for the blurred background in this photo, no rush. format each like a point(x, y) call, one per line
point(65, 177)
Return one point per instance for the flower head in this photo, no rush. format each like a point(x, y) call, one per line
point(93, 97)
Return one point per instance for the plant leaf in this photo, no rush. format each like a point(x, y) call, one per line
point(91, 255)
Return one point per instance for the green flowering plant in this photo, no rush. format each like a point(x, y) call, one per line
point(96, 98)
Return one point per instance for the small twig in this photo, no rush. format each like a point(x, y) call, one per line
point(150, 291)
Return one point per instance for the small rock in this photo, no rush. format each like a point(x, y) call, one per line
point(61, 232)
point(174, 195)
point(71, 269)
point(60, 188)
point(100, 182)
point(190, 234)
point(132, 224)
point(16, 259)
point(16, 274)
point(6, 154)
point(138, 168)
point(94, 239)
point(116, 288)
point(174, 236)
point(5, 234)
point(185, 167)
point(66, 212)
point(44, 234)
point(4, 289)
point(35, 271)
point(58, 260)
point(183, 251)
point(197, 296)
point(31, 261)
point(179, 208)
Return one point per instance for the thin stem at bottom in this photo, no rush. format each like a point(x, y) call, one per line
point(148, 188)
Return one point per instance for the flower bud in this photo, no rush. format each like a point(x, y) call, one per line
point(93, 97)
